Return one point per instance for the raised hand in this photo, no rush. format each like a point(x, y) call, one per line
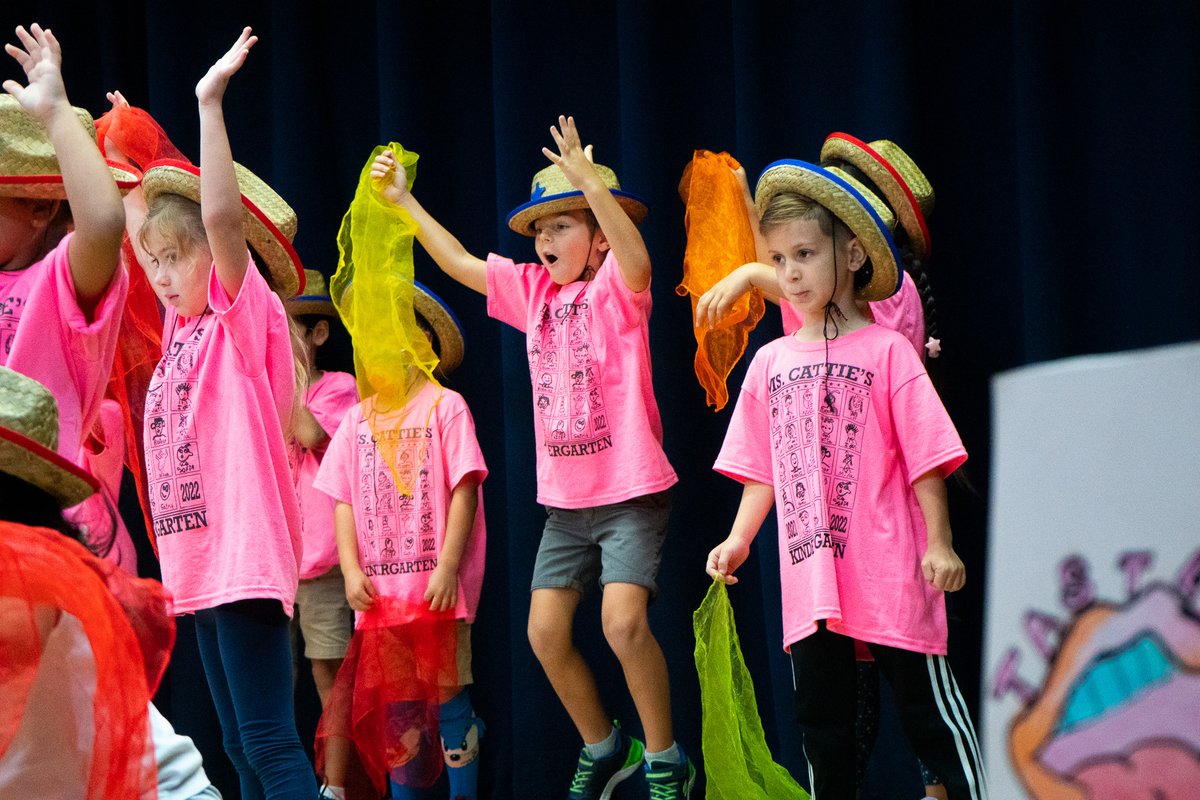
point(40, 56)
point(389, 177)
point(572, 157)
point(211, 88)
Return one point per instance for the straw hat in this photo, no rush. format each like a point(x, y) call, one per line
point(28, 166)
point(269, 222)
point(552, 193)
point(437, 315)
point(29, 440)
point(867, 217)
point(897, 176)
point(315, 300)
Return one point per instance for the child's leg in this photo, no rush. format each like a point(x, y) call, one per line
point(826, 703)
point(866, 723)
point(551, 621)
point(627, 629)
point(461, 731)
point(253, 663)
point(327, 623)
point(935, 718)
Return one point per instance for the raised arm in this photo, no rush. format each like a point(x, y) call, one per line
point(389, 176)
point(220, 197)
point(622, 234)
point(718, 301)
point(134, 200)
point(99, 218)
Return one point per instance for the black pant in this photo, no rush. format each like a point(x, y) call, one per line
point(931, 708)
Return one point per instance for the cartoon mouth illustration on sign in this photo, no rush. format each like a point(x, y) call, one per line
point(1117, 712)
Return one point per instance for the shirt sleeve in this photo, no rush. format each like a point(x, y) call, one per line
point(633, 308)
point(925, 435)
point(746, 453)
point(460, 448)
point(333, 398)
point(249, 317)
point(335, 477)
point(510, 290)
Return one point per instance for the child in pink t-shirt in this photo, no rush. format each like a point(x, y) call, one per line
point(61, 293)
point(839, 428)
point(324, 616)
point(420, 541)
point(217, 412)
point(601, 470)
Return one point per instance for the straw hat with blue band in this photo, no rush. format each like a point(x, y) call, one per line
point(29, 441)
point(269, 222)
point(452, 344)
point(866, 215)
point(552, 193)
point(315, 300)
point(897, 176)
point(28, 165)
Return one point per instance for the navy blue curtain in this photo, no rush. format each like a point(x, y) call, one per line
point(1059, 138)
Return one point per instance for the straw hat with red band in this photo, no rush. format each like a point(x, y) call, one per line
point(29, 441)
point(552, 193)
point(28, 165)
point(865, 214)
point(269, 222)
point(897, 176)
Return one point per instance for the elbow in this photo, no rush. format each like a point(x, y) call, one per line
point(221, 218)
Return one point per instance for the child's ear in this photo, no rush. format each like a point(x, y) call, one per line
point(320, 332)
point(601, 241)
point(43, 212)
point(856, 254)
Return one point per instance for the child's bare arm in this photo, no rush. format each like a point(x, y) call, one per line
point(940, 565)
point(442, 592)
point(760, 242)
point(725, 558)
point(620, 231)
point(360, 592)
point(220, 197)
point(99, 218)
point(718, 301)
point(442, 246)
point(308, 431)
point(134, 200)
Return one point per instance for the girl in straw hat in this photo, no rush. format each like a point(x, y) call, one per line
point(61, 292)
point(84, 643)
point(877, 530)
point(224, 508)
point(601, 470)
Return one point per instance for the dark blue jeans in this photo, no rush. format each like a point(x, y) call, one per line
point(246, 650)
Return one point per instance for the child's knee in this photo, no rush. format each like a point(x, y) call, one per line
point(461, 731)
point(548, 634)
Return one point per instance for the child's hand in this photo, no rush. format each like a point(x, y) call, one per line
point(943, 569)
point(725, 558)
point(211, 87)
point(41, 58)
point(442, 592)
point(718, 301)
point(389, 177)
point(360, 592)
point(572, 157)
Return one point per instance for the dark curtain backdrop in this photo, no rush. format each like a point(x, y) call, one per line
point(1059, 137)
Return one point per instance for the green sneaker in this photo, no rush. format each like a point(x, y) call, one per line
point(671, 781)
point(595, 779)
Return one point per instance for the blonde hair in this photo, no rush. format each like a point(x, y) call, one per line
point(177, 220)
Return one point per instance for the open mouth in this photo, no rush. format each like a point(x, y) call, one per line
point(551, 258)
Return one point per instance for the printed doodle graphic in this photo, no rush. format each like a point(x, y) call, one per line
point(1117, 713)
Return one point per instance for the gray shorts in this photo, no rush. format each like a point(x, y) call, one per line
point(617, 543)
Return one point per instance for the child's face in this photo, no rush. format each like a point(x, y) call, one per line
point(803, 256)
point(22, 223)
point(564, 244)
point(180, 281)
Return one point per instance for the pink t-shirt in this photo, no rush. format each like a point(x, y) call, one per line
point(329, 398)
point(903, 312)
point(45, 335)
point(596, 423)
point(400, 536)
point(841, 445)
point(224, 505)
point(104, 457)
